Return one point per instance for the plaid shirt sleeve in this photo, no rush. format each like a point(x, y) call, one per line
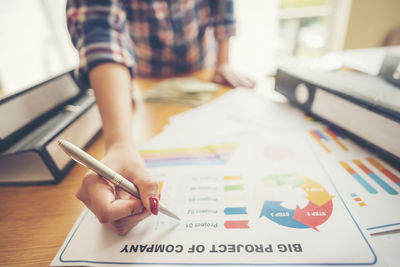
point(223, 19)
point(98, 30)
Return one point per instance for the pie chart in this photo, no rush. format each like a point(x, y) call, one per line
point(293, 201)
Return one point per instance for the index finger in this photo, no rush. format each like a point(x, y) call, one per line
point(104, 204)
point(148, 189)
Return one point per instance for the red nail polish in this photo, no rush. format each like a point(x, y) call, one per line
point(154, 205)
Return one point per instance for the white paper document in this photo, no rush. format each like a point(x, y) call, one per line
point(370, 186)
point(262, 200)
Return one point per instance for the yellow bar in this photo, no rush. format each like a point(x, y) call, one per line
point(233, 178)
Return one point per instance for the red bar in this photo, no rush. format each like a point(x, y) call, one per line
point(237, 224)
point(362, 166)
point(385, 171)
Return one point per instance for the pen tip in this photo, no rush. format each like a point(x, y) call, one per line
point(175, 217)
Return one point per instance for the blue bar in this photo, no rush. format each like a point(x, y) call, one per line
point(235, 211)
point(382, 183)
point(364, 183)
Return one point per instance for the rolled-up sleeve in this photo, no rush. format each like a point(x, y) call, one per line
point(223, 19)
point(98, 31)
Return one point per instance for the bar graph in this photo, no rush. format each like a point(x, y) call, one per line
point(375, 177)
point(395, 179)
point(335, 137)
point(206, 155)
point(358, 178)
point(328, 139)
point(372, 179)
point(236, 215)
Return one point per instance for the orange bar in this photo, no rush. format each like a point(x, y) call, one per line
point(375, 163)
point(347, 167)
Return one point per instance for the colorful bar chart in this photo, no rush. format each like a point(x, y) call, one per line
point(325, 136)
point(235, 213)
point(335, 137)
point(375, 177)
point(205, 155)
point(318, 137)
point(358, 178)
point(384, 170)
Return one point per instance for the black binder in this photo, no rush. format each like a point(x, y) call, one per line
point(365, 107)
point(23, 111)
point(36, 158)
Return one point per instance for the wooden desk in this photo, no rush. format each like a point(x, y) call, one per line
point(35, 220)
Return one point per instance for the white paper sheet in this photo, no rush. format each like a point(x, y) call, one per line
point(370, 186)
point(258, 208)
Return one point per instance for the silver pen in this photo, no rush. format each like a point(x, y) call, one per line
point(85, 159)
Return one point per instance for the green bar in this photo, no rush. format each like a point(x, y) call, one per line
point(233, 187)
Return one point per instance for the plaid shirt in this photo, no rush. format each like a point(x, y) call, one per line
point(150, 37)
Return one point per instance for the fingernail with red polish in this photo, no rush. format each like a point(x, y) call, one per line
point(154, 205)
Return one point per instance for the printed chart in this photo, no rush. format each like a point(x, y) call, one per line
point(375, 179)
point(231, 219)
point(374, 185)
point(253, 209)
point(366, 182)
point(328, 139)
point(317, 210)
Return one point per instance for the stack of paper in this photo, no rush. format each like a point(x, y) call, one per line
point(255, 182)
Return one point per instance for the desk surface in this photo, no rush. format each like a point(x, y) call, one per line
point(35, 220)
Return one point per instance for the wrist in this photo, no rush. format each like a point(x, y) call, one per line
point(121, 144)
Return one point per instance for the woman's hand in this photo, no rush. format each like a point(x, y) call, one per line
point(114, 207)
point(225, 75)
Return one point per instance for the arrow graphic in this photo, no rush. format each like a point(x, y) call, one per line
point(315, 192)
point(313, 215)
point(281, 215)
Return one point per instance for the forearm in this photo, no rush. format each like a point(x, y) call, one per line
point(223, 53)
point(111, 83)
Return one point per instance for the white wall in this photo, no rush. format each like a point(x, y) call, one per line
point(34, 43)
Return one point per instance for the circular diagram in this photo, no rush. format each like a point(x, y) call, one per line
point(293, 201)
